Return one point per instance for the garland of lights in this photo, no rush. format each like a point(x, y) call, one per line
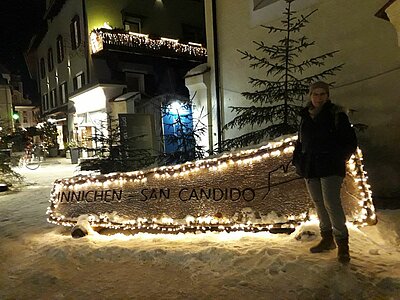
point(143, 42)
point(205, 223)
point(356, 168)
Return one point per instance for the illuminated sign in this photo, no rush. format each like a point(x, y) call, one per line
point(253, 189)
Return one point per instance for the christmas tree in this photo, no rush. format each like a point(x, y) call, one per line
point(278, 97)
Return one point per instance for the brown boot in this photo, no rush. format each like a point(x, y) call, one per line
point(326, 243)
point(343, 251)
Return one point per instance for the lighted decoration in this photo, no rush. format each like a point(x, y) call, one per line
point(248, 190)
point(96, 42)
point(103, 38)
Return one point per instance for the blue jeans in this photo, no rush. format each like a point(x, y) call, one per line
point(325, 193)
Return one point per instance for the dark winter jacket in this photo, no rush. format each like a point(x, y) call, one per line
point(324, 143)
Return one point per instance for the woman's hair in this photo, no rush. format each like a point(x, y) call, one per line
point(319, 85)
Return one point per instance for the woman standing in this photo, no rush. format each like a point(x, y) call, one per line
point(326, 141)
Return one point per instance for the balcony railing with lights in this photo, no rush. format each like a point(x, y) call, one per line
point(136, 43)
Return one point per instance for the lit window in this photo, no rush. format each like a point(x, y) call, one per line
point(63, 93)
point(45, 102)
point(53, 98)
point(75, 33)
point(50, 61)
point(79, 81)
point(60, 49)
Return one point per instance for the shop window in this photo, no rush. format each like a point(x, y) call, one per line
point(50, 61)
point(79, 81)
point(42, 68)
point(60, 49)
point(75, 33)
point(64, 93)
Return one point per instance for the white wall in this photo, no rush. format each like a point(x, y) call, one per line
point(6, 109)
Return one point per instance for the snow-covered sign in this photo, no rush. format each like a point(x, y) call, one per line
point(253, 189)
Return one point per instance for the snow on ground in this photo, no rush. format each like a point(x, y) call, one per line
point(41, 261)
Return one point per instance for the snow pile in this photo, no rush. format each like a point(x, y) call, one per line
point(43, 261)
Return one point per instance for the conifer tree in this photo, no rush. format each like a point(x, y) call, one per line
point(279, 95)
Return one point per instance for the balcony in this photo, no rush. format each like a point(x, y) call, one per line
point(136, 43)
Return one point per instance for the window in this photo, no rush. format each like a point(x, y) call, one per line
point(75, 33)
point(133, 26)
point(132, 23)
point(79, 81)
point(134, 82)
point(60, 49)
point(42, 68)
point(24, 116)
point(192, 33)
point(50, 62)
point(64, 93)
point(45, 102)
point(53, 98)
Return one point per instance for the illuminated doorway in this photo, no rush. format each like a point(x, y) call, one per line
point(177, 125)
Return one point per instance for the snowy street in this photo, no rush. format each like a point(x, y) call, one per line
point(39, 260)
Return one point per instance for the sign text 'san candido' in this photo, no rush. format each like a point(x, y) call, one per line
point(148, 194)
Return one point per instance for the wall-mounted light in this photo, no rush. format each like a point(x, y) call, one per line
point(176, 106)
point(159, 3)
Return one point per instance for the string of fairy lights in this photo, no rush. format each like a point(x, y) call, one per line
point(142, 41)
point(220, 163)
point(356, 168)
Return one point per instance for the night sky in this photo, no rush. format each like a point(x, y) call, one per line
point(19, 21)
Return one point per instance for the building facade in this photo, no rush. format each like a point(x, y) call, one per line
point(16, 111)
point(95, 61)
point(367, 83)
